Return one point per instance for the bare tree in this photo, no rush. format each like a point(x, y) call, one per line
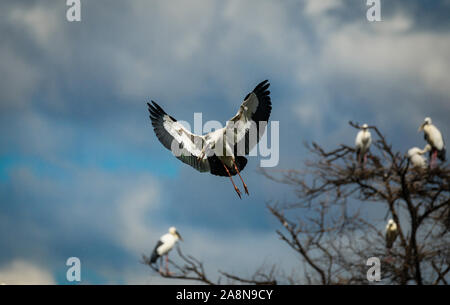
point(330, 228)
point(192, 269)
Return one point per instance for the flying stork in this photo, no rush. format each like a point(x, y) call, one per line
point(434, 137)
point(220, 152)
point(391, 233)
point(416, 157)
point(164, 245)
point(362, 143)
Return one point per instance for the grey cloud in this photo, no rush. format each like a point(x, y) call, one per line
point(73, 90)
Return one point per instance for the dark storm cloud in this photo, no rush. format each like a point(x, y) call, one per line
point(81, 167)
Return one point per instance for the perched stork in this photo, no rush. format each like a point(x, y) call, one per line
point(416, 157)
point(391, 233)
point(164, 245)
point(220, 152)
point(362, 143)
point(434, 137)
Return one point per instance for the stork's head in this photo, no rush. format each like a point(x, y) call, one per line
point(426, 122)
point(427, 148)
point(391, 225)
point(364, 127)
point(174, 232)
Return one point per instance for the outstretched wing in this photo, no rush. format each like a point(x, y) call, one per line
point(184, 145)
point(249, 123)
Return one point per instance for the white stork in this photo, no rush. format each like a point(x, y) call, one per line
point(391, 233)
point(434, 137)
point(416, 157)
point(362, 143)
point(215, 152)
point(164, 245)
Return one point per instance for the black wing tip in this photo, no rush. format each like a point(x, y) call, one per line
point(261, 88)
point(150, 106)
point(263, 83)
point(155, 109)
point(155, 104)
point(264, 108)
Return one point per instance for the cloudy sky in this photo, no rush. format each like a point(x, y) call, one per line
point(81, 172)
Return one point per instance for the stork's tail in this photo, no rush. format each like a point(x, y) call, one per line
point(441, 154)
point(217, 168)
point(154, 257)
point(389, 245)
point(155, 254)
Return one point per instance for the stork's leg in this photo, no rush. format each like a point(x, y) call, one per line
point(432, 157)
point(202, 154)
point(389, 259)
point(235, 187)
point(167, 264)
point(245, 185)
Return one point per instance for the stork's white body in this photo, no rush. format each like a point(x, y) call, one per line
point(417, 160)
point(362, 142)
point(434, 136)
point(168, 242)
point(391, 233)
point(416, 157)
point(217, 142)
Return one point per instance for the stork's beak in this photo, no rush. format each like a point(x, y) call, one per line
point(421, 127)
point(179, 236)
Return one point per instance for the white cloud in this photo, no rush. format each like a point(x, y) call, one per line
point(134, 231)
point(383, 65)
point(20, 272)
point(38, 26)
point(398, 23)
point(16, 89)
point(315, 8)
point(41, 21)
